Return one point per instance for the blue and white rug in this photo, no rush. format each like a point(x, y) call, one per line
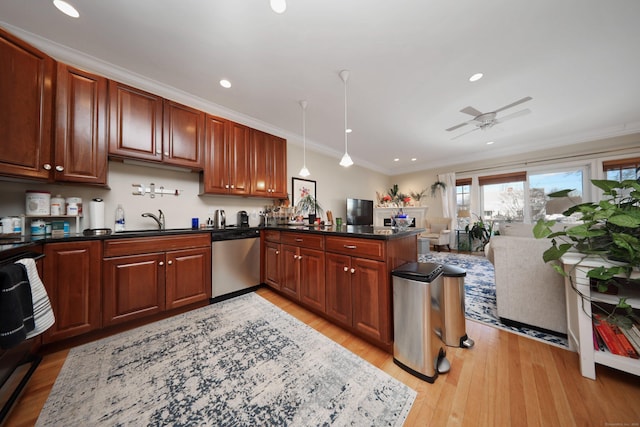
point(240, 362)
point(480, 293)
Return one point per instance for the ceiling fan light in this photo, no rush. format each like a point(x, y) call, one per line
point(278, 6)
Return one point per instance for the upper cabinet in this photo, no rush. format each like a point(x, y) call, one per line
point(81, 127)
point(135, 123)
point(183, 137)
point(268, 165)
point(227, 160)
point(147, 127)
point(26, 109)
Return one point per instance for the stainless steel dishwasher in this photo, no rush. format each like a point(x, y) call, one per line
point(235, 262)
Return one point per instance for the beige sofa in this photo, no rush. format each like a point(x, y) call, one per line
point(528, 291)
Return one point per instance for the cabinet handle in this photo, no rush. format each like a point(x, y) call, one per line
point(277, 252)
point(350, 247)
point(346, 268)
point(59, 168)
point(46, 167)
point(170, 262)
point(226, 186)
point(161, 263)
point(353, 270)
point(299, 239)
point(233, 186)
point(158, 152)
point(166, 153)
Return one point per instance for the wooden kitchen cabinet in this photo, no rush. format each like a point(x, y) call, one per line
point(145, 276)
point(227, 162)
point(26, 109)
point(303, 271)
point(81, 127)
point(135, 123)
point(72, 277)
point(272, 264)
point(357, 286)
point(355, 289)
point(183, 136)
point(268, 165)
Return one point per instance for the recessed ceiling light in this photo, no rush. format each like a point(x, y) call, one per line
point(66, 8)
point(476, 77)
point(278, 6)
point(490, 142)
point(225, 83)
point(413, 159)
point(396, 159)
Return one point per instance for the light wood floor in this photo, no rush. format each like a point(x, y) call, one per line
point(505, 380)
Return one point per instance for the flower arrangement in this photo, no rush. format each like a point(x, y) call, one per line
point(393, 198)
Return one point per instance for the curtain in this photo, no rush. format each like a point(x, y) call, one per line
point(448, 196)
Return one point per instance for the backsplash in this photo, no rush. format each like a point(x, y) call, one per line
point(178, 210)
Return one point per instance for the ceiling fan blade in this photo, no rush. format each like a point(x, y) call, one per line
point(457, 126)
point(513, 115)
point(471, 111)
point(462, 134)
point(518, 102)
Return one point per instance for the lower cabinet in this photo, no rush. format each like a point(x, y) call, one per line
point(72, 274)
point(272, 264)
point(356, 293)
point(303, 275)
point(139, 280)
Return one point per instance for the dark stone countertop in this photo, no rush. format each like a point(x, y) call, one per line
point(361, 231)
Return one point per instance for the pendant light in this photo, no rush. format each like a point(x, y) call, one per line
point(304, 172)
point(346, 159)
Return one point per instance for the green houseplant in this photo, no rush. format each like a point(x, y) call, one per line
point(480, 231)
point(609, 229)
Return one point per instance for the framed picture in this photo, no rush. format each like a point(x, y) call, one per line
point(304, 196)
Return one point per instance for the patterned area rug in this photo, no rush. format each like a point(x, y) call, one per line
point(240, 362)
point(480, 293)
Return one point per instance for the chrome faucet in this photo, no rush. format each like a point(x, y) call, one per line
point(159, 219)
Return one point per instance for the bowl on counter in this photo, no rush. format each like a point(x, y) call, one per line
point(402, 223)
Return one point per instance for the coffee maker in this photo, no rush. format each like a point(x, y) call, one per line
point(243, 219)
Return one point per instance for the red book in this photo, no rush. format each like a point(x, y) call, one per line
point(626, 345)
point(608, 336)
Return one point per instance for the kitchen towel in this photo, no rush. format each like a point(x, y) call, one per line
point(42, 313)
point(96, 214)
point(16, 307)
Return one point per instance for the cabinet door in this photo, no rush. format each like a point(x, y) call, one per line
point(369, 283)
point(134, 287)
point(26, 109)
point(278, 166)
point(81, 127)
point(290, 271)
point(239, 161)
point(188, 276)
point(215, 178)
point(135, 123)
point(272, 264)
point(183, 136)
point(260, 179)
point(312, 283)
point(72, 279)
point(338, 288)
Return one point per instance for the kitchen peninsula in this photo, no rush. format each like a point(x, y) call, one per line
point(343, 274)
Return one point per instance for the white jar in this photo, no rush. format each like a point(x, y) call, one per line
point(38, 228)
point(38, 203)
point(7, 225)
point(58, 206)
point(74, 206)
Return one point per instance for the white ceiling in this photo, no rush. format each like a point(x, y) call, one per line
point(410, 61)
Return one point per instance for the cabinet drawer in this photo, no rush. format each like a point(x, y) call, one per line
point(313, 241)
point(142, 245)
point(272, 235)
point(366, 248)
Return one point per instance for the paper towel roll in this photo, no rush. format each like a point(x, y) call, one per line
point(96, 214)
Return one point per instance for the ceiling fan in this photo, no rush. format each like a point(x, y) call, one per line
point(485, 121)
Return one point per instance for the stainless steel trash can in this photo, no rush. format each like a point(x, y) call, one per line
point(452, 308)
point(417, 320)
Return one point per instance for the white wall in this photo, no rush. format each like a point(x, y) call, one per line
point(334, 185)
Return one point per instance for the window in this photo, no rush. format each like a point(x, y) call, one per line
point(463, 194)
point(540, 185)
point(502, 196)
point(619, 170)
